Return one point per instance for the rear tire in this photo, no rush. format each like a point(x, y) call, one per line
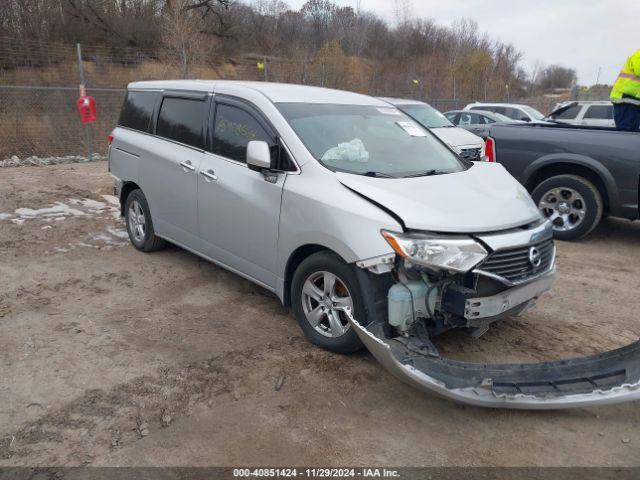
point(573, 204)
point(321, 285)
point(139, 224)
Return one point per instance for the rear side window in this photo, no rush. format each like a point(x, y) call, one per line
point(181, 120)
point(469, 119)
point(514, 113)
point(599, 112)
point(137, 110)
point(234, 128)
point(570, 113)
point(500, 110)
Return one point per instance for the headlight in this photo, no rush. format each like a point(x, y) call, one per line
point(455, 254)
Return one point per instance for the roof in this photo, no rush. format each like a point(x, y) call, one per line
point(276, 92)
point(401, 101)
point(587, 102)
point(501, 104)
point(481, 112)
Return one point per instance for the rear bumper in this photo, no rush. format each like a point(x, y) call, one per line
point(608, 378)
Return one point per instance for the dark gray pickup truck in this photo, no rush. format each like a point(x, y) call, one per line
point(574, 174)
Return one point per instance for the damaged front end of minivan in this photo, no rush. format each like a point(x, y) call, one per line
point(438, 282)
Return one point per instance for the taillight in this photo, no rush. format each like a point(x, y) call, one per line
point(110, 138)
point(489, 150)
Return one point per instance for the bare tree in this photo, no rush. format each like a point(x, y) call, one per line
point(182, 32)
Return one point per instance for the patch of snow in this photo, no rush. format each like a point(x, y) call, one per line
point(46, 227)
point(118, 233)
point(36, 161)
point(86, 245)
point(88, 203)
point(58, 208)
point(113, 200)
point(5, 216)
point(18, 221)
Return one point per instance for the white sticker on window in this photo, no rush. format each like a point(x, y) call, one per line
point(412, 129)
point(389, 110)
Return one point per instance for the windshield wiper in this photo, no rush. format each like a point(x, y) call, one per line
point(425, 173)
point(377, 174)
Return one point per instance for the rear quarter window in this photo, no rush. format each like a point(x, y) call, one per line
point(599, 112)
point(137, 110)
point(181, 120)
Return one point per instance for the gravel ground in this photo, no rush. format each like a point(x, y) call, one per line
point(109, 356)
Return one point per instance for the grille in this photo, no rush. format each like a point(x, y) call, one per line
point(471, 154)
point(514, 264)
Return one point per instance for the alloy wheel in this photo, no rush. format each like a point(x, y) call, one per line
point(564, 206)
point(324, 298)
point(137, 221)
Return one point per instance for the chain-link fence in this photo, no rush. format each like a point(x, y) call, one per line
point(43, 121)
point(39, 87)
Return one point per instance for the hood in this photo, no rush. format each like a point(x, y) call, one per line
point(457, 137)
point(483, 198)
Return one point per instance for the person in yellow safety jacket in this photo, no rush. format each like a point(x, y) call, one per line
point(625, 95)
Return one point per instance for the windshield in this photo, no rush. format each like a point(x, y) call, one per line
point(368, 140)
point(533, 113)
point(426, 115)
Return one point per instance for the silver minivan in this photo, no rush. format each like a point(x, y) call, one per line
point(370, 228)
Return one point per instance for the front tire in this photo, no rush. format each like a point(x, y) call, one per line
point(139, 223)
point(322, 285)
point(573, 204)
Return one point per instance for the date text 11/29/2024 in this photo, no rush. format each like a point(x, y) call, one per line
point(315, 473)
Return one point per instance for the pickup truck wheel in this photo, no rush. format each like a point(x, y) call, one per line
point(573, 204)
point(322, 286)
point(139, 224)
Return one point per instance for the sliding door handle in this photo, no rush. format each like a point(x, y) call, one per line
point(209, 175)
point(187, 165)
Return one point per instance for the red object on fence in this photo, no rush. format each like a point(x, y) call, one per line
point(87, 109)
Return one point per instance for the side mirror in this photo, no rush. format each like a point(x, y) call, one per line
point(258, 155)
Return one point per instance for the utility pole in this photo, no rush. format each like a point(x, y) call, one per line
point(87, 127)
point(264, 60)
point(598, 76)
point(454, 92)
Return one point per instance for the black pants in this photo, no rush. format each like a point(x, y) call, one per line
point(627, 116)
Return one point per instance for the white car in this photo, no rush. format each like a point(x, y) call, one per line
point(515, 111)
point(592, 114)
point(466, 144)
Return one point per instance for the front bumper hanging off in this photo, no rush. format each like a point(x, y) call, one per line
point(607, 378)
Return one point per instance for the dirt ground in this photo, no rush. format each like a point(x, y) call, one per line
point(109, 356)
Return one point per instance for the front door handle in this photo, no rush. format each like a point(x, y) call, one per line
point(209, 175)
point(187, 165)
